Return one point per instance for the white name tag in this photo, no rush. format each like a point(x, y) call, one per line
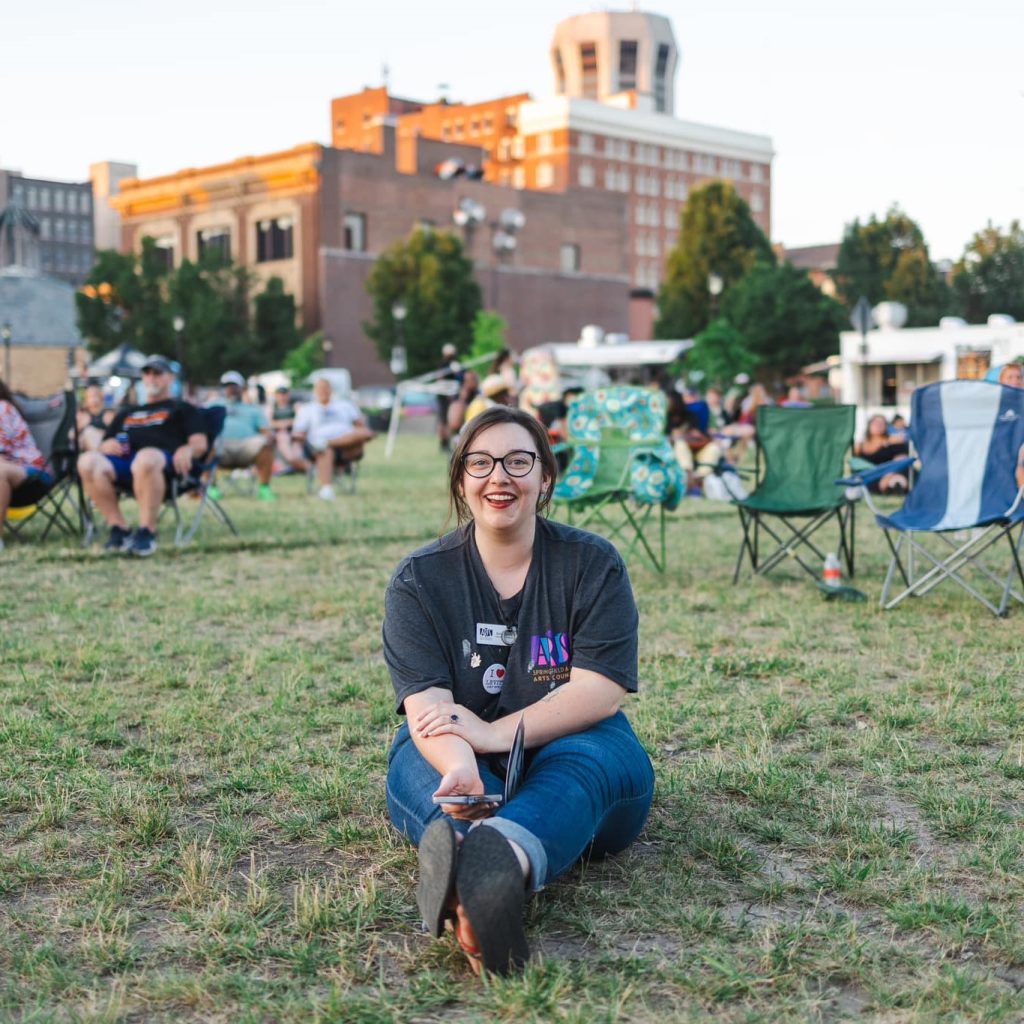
point(494, 634)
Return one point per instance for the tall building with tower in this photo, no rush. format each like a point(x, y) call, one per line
point(609, 127)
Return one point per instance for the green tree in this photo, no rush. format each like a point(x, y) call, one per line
point(717, 235)
point(784, 320)
point(135, 298)
point(124, 300)
point(275, 327)
point(888, 260)
point(428, 273)
point(720, 352)
point(306, 357)
point(989, 277)
point(489, 330)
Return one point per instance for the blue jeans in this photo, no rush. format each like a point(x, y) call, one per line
point(587, 793)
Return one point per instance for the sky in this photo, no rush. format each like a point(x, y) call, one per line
point(867, 104)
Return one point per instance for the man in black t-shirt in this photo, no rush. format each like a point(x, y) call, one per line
point(143, 446)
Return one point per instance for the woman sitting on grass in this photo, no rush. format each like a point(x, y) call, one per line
point(20, 459)
point(878, 448)
point(510, 617)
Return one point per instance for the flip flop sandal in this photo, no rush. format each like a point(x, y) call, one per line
point(438, 851)
point(490, 887)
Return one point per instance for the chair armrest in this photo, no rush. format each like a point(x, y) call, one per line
point(864, 477)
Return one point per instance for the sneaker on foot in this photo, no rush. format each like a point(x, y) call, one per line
point(266, 494)
point(143, 543)
point(326, 492)
point(120, 539)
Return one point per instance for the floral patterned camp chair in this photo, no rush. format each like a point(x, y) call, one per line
point(623, 469)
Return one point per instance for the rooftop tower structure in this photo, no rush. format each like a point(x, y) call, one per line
point(626, 58)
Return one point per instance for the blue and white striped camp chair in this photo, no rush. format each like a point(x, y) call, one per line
point(968, 436)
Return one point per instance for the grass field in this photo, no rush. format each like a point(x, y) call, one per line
point(192, 756)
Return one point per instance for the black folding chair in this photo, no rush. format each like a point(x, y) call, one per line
point(59, 504)
point(200, 478)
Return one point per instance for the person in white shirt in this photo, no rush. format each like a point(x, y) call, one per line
point(332, 428)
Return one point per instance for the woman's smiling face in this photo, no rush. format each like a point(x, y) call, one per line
point(501, 502)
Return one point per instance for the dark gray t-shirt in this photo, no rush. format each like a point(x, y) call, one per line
point(444, 624)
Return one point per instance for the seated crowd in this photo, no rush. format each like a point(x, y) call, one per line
point(141, 447)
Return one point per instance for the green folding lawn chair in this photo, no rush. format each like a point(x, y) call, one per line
point(623, 474)
point(800, 455)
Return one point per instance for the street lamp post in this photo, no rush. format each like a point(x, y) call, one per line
point(504, 241)
point(399, 360)
point(715, 286)
point(5, 332)
point(860, 318)
point(179, 341)
point(328, 347)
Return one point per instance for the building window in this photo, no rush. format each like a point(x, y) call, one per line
point(274, 239)
point(85, 202)
point(545, 174)
point(624, 182)
point(446, 131)
point(704, 163)
point(627, 64)
point(488, 125)
point(586, 175)
point(33, 197)
point(569, 258)
point(670, 218)
point(17, 193)
point(730, 168)
point(355, 232)
point(518, 147)
point(44, 199)
point(58, 229)
point(756, 201)
point(458, 129)
point(586, 142)
point(214, 243)
point(474, 126)
point(544, 143)
point(45, 228)
point(660, 73)
point(610, 179)
point(588, 69)
point(756, 172)
point(519, 178)
point(164, 250)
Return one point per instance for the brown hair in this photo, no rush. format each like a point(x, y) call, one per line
point(493, 416)
point(6, 395)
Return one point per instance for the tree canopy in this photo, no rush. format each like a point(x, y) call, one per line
point(135, 297)
point(888, 260)
point(785, 321)
point(428, 273)
point(718, 235)
point(989, 278)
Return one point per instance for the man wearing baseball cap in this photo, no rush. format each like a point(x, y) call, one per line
point(246, 439)
point(143, 446)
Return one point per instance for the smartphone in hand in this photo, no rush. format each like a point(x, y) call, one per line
point(474, 798)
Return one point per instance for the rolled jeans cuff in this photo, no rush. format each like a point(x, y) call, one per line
point(530, 844)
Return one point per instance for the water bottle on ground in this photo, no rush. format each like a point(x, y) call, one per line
point(832, 574)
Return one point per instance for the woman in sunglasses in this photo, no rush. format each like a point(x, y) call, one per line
point(510, 618)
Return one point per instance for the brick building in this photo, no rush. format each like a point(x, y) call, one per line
point(63, 211)
point(317, 217)
point(609, 128)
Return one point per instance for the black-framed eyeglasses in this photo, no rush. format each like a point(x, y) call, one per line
point(480, 464)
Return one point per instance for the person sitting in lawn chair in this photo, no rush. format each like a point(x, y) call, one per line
point(512, 621)
point(93, 418)
point(335, 432)
point(22, 464)
point(1012, 376)
point(246, 439)
point(282, 421)
point(143, 446)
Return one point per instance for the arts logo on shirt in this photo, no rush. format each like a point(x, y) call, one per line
point(549, 657)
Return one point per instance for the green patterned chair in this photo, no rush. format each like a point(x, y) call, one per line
point(623, 475)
